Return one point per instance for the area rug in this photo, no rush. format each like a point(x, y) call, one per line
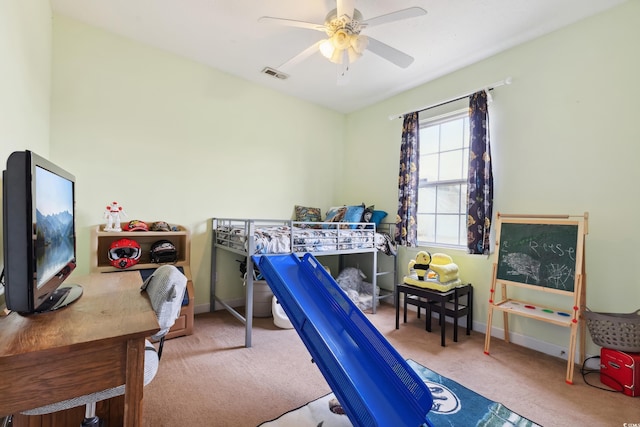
point(453, 405)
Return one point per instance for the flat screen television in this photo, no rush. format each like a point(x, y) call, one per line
point(39, 237)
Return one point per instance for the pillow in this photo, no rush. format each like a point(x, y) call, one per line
point(335, 214)
point(371, 215)
point(353, 214)
point(307, 214)
point(377, 217)
point(368, 213)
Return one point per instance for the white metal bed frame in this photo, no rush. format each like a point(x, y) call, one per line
point(223, 239)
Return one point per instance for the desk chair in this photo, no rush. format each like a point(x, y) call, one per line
point(166, 288)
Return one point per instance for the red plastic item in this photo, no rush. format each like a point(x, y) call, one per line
point(620, 371)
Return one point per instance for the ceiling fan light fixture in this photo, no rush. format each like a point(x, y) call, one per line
point(359, 43)
point(344, 44)
point(337, 56)
point(341, 43)
point(341, 39)
point(353, 55)
point(327, 48)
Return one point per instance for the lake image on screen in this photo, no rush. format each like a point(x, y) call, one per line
point(54, 224)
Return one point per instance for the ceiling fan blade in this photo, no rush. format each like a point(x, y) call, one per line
point(345, 7)
point(300, 57)
point(411, 12)
point(291, 23)
point(389, 53)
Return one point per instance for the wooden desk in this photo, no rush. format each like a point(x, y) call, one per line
point(94, 344)
point(442, 299)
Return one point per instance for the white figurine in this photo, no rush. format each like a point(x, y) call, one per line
point(112, 215)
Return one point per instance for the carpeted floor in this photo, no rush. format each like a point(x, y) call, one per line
point(211, 379)
point(453, 405)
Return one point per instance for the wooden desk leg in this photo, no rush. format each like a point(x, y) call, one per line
point(134, 383)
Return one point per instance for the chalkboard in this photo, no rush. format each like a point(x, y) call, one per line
point(538, 254)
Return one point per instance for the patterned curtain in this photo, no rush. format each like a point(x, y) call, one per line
point(480, 185)
point(406, 232)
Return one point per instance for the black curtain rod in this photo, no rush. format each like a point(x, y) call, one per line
point(492, 86)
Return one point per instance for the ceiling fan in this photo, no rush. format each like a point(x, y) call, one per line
point(345, 44)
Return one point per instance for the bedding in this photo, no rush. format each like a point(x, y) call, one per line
point(330, 237)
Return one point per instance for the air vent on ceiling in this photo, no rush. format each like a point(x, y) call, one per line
point(274, 73)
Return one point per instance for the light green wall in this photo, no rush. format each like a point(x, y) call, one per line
point(25, 78)
point(564, 141)
point(25, 70)
point(174, 140)
point(171, 139)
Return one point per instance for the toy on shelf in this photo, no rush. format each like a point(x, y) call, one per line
point(112, 214)
point(437, 271)
point(124, 253)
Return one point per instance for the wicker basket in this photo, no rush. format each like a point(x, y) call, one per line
point(615, 331)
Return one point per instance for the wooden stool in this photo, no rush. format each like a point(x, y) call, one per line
point(445, 303)
point(455, 309)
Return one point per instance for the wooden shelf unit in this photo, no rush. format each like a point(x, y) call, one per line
point(99, 262)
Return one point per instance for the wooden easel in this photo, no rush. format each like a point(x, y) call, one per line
point(538, 252)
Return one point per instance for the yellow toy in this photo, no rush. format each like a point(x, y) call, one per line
point(437, 271)
point(420, 265)
point(444, 268)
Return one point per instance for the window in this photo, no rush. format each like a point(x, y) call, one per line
point(442, 194)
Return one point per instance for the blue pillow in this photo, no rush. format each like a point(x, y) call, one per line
point(377, 217)
point(353, 214)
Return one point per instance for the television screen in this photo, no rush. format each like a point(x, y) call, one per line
point(54, 224)
point(39, 246)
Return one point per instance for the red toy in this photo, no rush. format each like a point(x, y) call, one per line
point(620, 371)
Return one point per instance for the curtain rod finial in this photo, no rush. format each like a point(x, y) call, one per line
point(508, 80)
point(489, 97)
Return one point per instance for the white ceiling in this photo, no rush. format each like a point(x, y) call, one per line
point(226, 35)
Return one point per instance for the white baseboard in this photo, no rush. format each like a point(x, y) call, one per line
point(524, 341)
point(205, 308)
point(201, 308)
point(532, 343)
point(498, 333)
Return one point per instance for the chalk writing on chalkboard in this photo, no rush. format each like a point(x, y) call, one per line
point(538, 254)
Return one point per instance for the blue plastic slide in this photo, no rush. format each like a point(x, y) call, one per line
point(374, 384)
